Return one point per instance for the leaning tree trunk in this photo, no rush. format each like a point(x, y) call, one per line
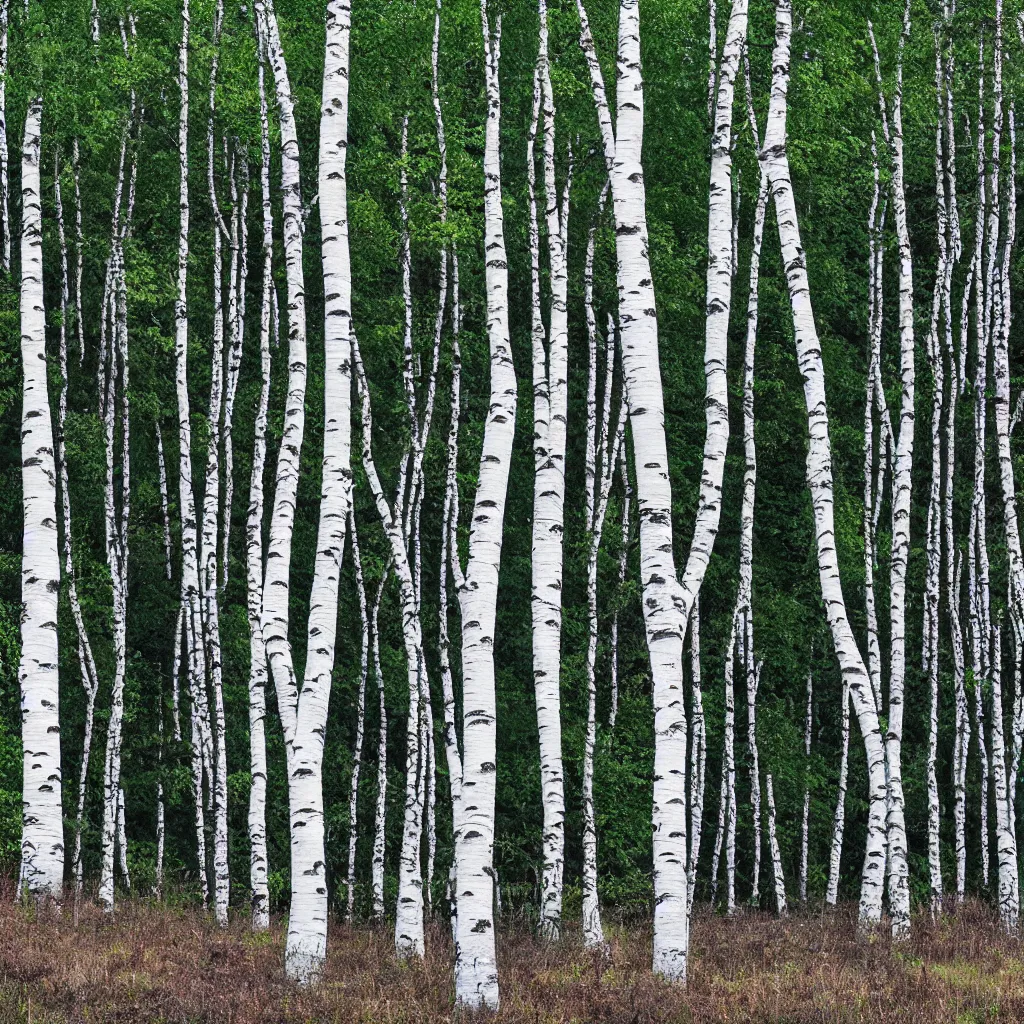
point(819, 465)
point(42, 836)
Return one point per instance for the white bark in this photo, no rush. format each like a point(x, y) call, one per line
point(550, 383)
point(1006, 837)
point(257, 819)
point(122, 842)
point(165, 508)
point(409, 938)
point(209, 575)
point(304, 712)
point(898, 871)
point(819, 466)
point(698, 750)
point(42, 837)
point(627, 505)
point(667, 604)
point(806, 820)
point(357, 753)
point(114, 400)
point(726, 832)
point(839, 818)
point(606, 440)
point(195, 655)
point(380, 811)
point(773, 845)
point(476, 975)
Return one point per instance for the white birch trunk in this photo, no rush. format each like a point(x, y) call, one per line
point(667, 603)
point(1006, 837)
point(304, 714)
point(819, 466)
point(257, 818)
point(476, 973)
point(42, 836)
point(550, 428)
point(357, 753)
point(409, 938)
point(898, 872)
point(698, 750)
point(773, 845)
point(380, 811)
point(839, 818)
point(806, 820)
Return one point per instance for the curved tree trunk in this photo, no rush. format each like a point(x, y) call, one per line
point(819, 465)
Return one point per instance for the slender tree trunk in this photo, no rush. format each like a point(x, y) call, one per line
point(357, 754)
point(550, 427)
point(773, 844)
point(257, 820)
point(667, 604)
point(42, 837)
point(839, 818)
point(726, 832)
point(899, 880)
point(806, 821)
point(86, 661)
point(698, 749)
point(476, 974)
point(819, 465)
point(1006, 837)
point(380, 812)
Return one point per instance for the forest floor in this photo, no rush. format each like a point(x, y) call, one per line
point(160, 963)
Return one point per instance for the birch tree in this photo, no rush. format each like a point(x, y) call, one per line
point(819, 466)
point(667, 603)
point(550, 400)
point(42, 835)
point(304, 712)
point(476, 975)
point(898, 871)
point(257, 819)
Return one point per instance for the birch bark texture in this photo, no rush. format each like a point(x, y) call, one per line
point(819, 464)
point(476, 971)
point(42, 834)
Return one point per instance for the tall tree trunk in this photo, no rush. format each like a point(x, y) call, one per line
point(550, 427)
point(899, 879)
point(357, 753)
point(819, 465)
point(257, 819)
point(42, 836)
point(667, 603)
point(476, 972)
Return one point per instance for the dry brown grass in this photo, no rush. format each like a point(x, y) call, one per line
point(153, 963)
